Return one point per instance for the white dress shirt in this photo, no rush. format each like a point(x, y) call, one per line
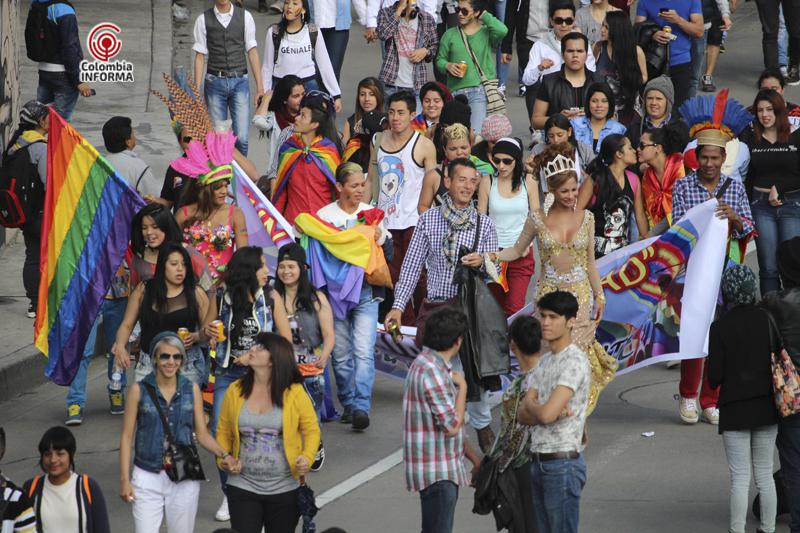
point(200, 44)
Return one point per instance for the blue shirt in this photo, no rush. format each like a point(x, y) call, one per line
point(680, 50)
point(689, 192)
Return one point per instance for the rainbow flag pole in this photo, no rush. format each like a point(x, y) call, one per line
point(87, 217)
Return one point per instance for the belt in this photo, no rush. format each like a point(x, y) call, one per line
point(542, 457)
point(228, 73)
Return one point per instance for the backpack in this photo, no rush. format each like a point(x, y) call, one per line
point(21, 190)
point(313, 33)
point(42, 39)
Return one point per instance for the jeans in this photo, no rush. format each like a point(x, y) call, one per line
point(681, 79)
point(354, 353)
point(315, 387)
point(223, 94)
point(774, 225)
point(557, 487)
point(54, 87)
point(698, 61)
point(742, 448)
point(477, 102)
point(789, 454)
point(157, 495)
point(769, 14)
point(223, 377)
point(783, 40)
point(110, 315)
point(336, 43)
point(479, 413)
point(438, 502)
point(502, 68)
point(389, 90)
point(250, 512)
point(32, 234)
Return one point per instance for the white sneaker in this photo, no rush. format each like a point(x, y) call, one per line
point(689, 411)
point(672, 364)
point(223, 515)
point(711, 415)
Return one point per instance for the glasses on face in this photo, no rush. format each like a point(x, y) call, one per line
point(464, 11)
point(167, 356)
point(504, 161)
point(563, 21)
point(642, 146)
point(187, 139)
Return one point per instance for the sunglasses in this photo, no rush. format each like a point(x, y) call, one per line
point(642, 146)
point(503, 161)
point(167, 356)
point(464, 11)
point(559, 21)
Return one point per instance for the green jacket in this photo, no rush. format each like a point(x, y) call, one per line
point(484, 42)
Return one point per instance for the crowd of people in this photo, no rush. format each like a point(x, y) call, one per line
point(616, 157)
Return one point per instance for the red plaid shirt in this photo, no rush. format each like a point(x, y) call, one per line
point(429, 411)
point(388, 30)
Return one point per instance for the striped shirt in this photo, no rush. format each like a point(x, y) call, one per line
point(18, 516)
point(429, 412)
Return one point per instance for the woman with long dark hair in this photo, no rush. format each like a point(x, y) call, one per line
point(307, 161)
point(248, 307)
point(170, 301)
point(598, 122)
point(661, 151)
point(277, 111)
point(295, 46)
point(268, 423)
point(773, 182)
point(558, 129)
point(612, 193)
point(622, 63)
point(369, 97)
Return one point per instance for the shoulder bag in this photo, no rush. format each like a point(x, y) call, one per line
point(495, 100)
point(785, 381)
point(181, 461)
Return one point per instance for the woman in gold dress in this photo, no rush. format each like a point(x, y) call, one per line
point(565, 238)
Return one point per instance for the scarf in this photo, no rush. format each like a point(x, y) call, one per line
point(284, 119)
point(321, 154)
point(458, 220)
point(658, 194)
point(419, 123)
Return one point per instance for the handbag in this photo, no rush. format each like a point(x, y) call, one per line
point(181, 462)
point(785, 381)
point(495, 100)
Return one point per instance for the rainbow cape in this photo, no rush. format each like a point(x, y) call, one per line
point(321, 153)
point(87, 220)
point(419, 123)
point(351, 245)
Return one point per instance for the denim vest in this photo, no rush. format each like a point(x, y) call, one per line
point(583, 131)
point(261, 312)
point(150, 435)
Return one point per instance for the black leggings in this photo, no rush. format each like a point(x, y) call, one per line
point(32, 233)
point(276, 513)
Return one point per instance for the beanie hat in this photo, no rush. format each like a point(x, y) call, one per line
point(32, 112)
point(456, 111)
point(739, 285)
point(663, 85)
point(508, 146)
point(166, 335)
point(789, 262)
point(495, 127)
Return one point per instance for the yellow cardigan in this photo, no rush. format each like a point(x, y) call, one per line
point(301, 434)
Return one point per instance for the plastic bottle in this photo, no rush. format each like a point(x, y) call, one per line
point(116, 379)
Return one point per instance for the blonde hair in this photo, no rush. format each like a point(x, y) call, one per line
point(346, 169)
point(455, 132)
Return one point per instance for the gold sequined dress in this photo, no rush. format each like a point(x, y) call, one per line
point(565, 266)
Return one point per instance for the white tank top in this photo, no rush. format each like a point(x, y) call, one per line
point(508, 214)
point(400, 179)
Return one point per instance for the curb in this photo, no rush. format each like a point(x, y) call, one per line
point(24, 371)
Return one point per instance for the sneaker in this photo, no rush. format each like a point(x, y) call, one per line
point(711, 415)
point(522, 90)
point(223, 515)
point(502, 89)
point(360, 420)
point(485, 439)
point(793, 76)
point(689, 410)
point(116, 401)
point(722, 48)
point(347, 415)
point(74, 415)
point(672, 364)
point(31, 311)
point(784, 70)
point(319, 459)
point(707, 85)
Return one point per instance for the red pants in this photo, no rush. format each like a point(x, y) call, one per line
point(519, 275)
point(692, 372)
point(401, 239)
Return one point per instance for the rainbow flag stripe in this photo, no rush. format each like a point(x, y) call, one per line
point(85, 231)
point(419, 123)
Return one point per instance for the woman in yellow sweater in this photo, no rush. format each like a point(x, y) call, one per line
point(268, 423)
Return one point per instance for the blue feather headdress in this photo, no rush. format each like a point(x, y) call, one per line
point(715, 112)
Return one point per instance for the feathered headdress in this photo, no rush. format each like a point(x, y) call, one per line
point(718, 115)
point(186, 107)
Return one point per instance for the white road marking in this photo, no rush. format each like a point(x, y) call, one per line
point(353, 482)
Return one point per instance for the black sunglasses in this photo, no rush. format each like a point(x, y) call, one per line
point(563, 21)
point(163, 356)
point(503, 161)
point(464, 11)
point(642, 146)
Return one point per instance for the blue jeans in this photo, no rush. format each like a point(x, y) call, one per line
point(557, 487)
point(223, 94)
point(438, 502)
point(698, 62)
point(774, 225)
point(783, 40)
point(476, 97)
point(480, 412)
point(502, 68)
point(389, 90)
point(54, 87)
point(336, 43)
point(315, 387)
point(789, 454)
point(354, 353)
point(111, 313)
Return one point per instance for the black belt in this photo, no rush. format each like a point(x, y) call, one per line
point(228, 73)
point(542, 457)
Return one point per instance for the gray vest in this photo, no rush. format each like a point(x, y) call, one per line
point(226, 50)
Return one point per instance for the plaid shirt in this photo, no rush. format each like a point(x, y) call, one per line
point(425, 248)
point(429, 411)
point(389, 28)
point(689, 192)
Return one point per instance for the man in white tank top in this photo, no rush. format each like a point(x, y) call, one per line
point(402, 158)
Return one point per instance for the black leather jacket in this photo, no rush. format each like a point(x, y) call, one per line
point(785, 308)
point(560, 93)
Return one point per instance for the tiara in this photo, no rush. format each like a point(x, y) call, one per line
point(558, 165)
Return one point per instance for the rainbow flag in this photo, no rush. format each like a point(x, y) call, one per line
point(321, 153)
point(419, 123)
point(87, 219)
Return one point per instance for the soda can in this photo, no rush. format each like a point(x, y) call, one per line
point(220, 330)
point(183, 333)
point(463, 66)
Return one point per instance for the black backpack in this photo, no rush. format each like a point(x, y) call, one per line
point(42, 39)
point(21, 190)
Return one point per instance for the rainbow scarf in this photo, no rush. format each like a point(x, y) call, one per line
point(321, 153)
point(87, 220)
point(353, 145)
point(419, 123)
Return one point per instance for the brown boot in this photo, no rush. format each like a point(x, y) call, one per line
point(485, 439)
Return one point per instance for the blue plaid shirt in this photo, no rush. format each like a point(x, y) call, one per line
point(689, 192)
